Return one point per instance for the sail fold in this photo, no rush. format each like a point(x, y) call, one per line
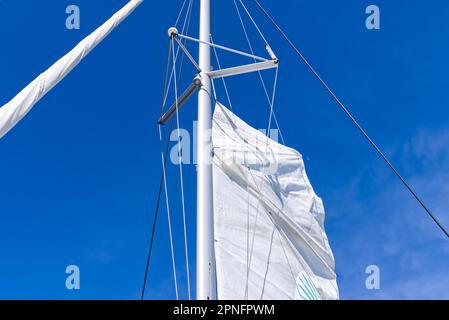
point(19, 106)
point(270, 240)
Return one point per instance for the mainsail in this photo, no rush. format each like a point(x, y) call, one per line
point(270, 241)
point(20, 105)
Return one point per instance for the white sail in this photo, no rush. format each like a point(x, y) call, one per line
point(270, 241)
point(19, 106)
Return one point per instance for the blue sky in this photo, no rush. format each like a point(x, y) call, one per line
point(81, 172)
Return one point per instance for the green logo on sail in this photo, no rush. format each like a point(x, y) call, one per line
point(305, 289)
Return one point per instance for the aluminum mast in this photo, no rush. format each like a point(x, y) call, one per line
point(205, 253)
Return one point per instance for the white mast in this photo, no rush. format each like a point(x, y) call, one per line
point(205, 273)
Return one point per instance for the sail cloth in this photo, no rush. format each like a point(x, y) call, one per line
point(270, 242)
point(19, 106)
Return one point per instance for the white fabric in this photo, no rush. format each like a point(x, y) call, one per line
point(19, 106)
point(267, 217)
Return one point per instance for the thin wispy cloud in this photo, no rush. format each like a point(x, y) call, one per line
point(390, 229)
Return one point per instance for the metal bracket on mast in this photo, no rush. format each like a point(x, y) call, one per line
point(253, 67)
point(193, 88)
point(173, 33)
point(264, 64)
point(213, 45)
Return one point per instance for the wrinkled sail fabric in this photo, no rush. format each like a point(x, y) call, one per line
point(19, 106)
point(270, 242)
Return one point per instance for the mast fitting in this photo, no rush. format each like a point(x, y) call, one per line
point(172, 32)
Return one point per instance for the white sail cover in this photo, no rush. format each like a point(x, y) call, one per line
point(270, 242)
point(19, 106)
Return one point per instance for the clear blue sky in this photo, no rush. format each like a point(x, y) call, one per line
point(80, 174)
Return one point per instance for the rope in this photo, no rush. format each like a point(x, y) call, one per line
point(254, 22)
point(223, 79)
point(168, 216)
point(249, 253)
point(222, 47)
point(167, 82)
point(167, 68)
point(187, 28)
point(352, 118)
point(268, 263)
point(187, 53)
point(156, 213)
point(181, 174)
point(184, 29)
point(272, 101)
point(180, 12)
point(267, 95)
point(276, 226)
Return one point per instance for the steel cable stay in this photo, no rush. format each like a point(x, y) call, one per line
point(223, 79)
point(167, 203)
point(185, 28)
point(351, 117)
point(156, 213)
point(272, 115)
point(161, 183)
point(164, 157)
point(175, 85)
point(181, 11)
point(259, 64)
point(154, 224)
point(249, 250)
point(270, 100)
point(252, 20)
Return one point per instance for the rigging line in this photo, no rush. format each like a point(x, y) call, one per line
point(352, 118)
point(262, 81)
point(282, 235)
point(223, 79)
point(286, 257)
point(247, 241)
point(249, 258)
point(167, 203)
point(268, 262)
point(189, 16)
point(212, 16)
point(213, 89)
point(180, 12)
point(272, 219)
point(222, 47)
point(275, 225)
point(272, 101)
point(156, 214)
point(168, 215)
point(150, 249)
point(254, 22)
point(187, 53)
point(187, 19)
point(167, 68)
point(175, 85)
point(166, 83)
point(253, 238)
